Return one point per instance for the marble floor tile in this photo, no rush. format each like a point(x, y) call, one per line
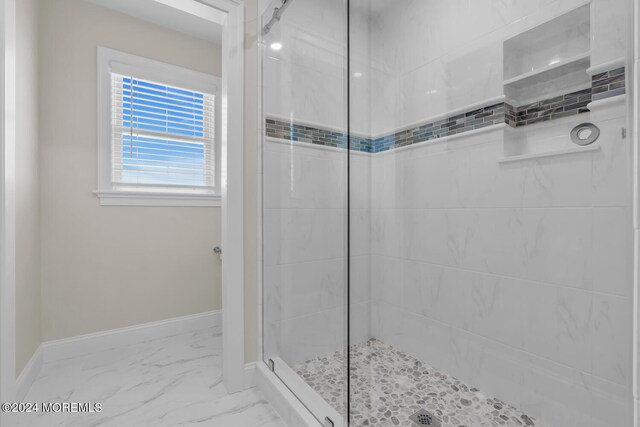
point(174, 381)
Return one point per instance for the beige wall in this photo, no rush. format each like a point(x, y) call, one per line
point(109, 267)
point(28, 330)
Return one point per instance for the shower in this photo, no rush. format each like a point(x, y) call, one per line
point(447, 210)
point(275, 17)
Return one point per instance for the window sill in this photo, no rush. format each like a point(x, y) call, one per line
point(148, 198)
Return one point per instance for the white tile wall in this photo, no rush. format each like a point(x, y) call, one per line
point(612, 26)
point(304, 238)
point(304, 277)
point(422, 70)
point(517, 278)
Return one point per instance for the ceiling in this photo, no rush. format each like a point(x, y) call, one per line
point(191, 17)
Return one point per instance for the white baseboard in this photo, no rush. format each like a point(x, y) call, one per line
point(286, 404)
point(101, 341)
point(250, 380)
point(29, 374)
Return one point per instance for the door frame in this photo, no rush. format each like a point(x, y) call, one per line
point(232, 224)
point(7, 203)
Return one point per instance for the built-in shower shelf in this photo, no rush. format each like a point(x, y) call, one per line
point(550, 59)
point(551, 72)
point(563, 152)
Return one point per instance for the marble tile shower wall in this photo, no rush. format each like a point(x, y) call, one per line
point(516, 278)
point(304, 278)
point(457, 65)
point(306, 78)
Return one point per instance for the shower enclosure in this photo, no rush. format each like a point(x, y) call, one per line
point(447, 210)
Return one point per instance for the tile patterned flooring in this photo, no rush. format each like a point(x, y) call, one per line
point(389, 386)
point(174, 381)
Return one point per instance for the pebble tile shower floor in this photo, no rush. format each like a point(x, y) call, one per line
point(388, 386)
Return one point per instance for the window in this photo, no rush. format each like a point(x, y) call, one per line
point(161, 135)
point(158, 130)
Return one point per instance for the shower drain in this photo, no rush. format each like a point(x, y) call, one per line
point(424, 418)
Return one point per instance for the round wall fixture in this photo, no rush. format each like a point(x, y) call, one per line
point(585, 134)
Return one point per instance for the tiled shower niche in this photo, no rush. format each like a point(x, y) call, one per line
point(548, 60)
point(546, 77)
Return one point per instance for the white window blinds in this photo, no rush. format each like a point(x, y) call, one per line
point(161, 135)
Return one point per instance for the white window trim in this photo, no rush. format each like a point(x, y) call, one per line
point(109, 194)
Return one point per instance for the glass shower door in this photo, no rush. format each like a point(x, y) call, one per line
point(447, 191)
point(304, 201)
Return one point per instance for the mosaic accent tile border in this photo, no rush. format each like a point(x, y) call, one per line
point(570, 104)
point(297, 132)
point(388, 386)
point(608, 84)
point(454, 125)
point(460, 123)
point(604, 85)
